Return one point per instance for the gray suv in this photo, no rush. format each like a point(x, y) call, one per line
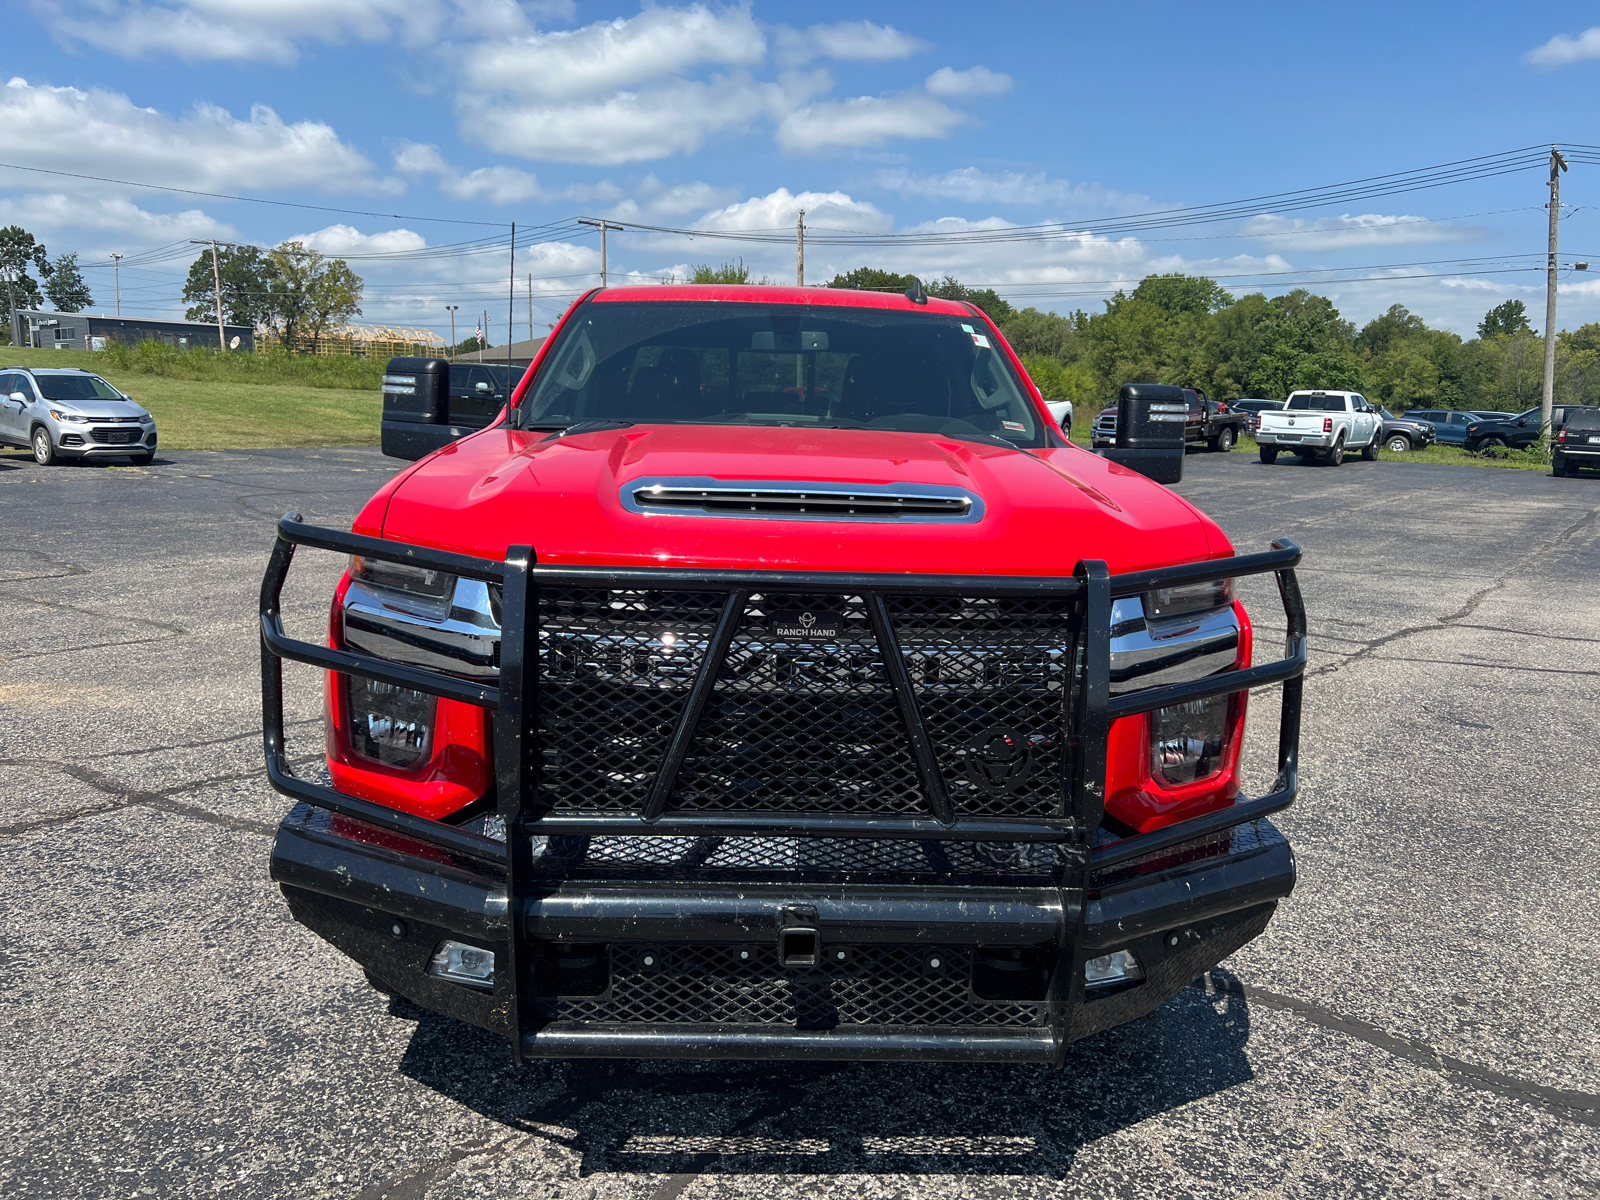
point(67, 412)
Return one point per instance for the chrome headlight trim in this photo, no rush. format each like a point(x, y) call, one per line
point(1149, 653)
point(460, 636)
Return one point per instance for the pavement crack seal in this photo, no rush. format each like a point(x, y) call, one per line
point(1583, 1107)
point(1467, 609)
point(121, 796)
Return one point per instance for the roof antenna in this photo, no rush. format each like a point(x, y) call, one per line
point(914, 293)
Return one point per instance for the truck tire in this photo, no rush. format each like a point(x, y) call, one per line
point(44, 450)
point(1369, 452)
point(1223, 442)
point(1490, 442)
point(1398, 444)
point(1334, 457)
point(1573, 468)
point(1269, 454)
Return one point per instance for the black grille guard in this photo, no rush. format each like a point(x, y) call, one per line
point(1090, 708)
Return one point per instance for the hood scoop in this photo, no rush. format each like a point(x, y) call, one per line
point(799, 501)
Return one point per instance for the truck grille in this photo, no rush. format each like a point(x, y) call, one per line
point(115, 437)
point(746, 985)
point(801, 500)
point(801, 722)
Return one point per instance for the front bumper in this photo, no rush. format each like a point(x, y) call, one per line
point(812, 918)
point(89, 441)
point(389, 902)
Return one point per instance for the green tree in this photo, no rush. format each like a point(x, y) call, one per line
point(950, 288)
point(313, 293)
point(65, 285)
point(1504, 320)
point(1177, 294)
point(728, 272)
point(18, 250)
point(248, 286)
point(1378, 334)
point(1042, 334)
point(1060, 381)
point(872, 279)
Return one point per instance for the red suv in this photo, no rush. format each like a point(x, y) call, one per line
point(773, 679)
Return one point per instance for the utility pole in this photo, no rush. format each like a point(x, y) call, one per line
point(511, 300)
point(602, 226)
point(11, 297)
point(452, 308)
point(1557, 165)
point(116, 274)
point(484, 340)
point(530, 310)
point(800, 249)
point(216, 278)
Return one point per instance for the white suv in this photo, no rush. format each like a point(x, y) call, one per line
point(71, 413)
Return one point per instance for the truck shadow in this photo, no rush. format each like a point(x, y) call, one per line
point(754, 1118)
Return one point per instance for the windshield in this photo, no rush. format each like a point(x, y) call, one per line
point(1316, 403)
point(75, 387)
point(806, 366)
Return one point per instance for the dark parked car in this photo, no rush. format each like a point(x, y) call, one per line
point(1401, 434)
point(1449, 427)
point(1578, 443)
point(1255, 408)
point(1519, 430)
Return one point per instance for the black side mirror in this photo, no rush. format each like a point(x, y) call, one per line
point(1150, 430)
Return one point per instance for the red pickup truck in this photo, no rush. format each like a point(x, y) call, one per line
point(774, 680)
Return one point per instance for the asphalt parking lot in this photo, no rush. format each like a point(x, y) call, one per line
point(1421, 1018)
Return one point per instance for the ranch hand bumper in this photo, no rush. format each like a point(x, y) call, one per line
point(942, 970)
point(703, 888)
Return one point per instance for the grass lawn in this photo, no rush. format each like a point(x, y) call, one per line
point(203, 415)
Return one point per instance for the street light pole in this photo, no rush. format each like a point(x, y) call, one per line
point(116, 274)
point(452, 308)
point(800, 249)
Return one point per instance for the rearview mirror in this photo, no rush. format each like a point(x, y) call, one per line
point(19, 397)
point(483, 389)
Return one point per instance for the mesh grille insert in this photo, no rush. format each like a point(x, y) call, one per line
point(745, 985)
point(801, 727)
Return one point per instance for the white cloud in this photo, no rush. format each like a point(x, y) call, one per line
point(853, 41)
point(48, 213)
point(600, 59)
point(346, 240)
point(865, 121)
point(1563, 50)
point(630, 126)
point(207, 149)
point(272, 30)
point(1346, 231)
point(778, 210)
point(970, 185)
point(976, 81)
point(497, 185)
point(654, 201)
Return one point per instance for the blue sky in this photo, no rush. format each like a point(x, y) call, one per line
point(876, 118)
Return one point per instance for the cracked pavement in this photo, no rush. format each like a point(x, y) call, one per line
point(1421, 1018)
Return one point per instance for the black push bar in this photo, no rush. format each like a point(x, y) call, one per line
point(515, 701)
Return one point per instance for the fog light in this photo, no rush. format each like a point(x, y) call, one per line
point(461, 963)
point(1118, 967)
point(388, 724)
point(1186, 740)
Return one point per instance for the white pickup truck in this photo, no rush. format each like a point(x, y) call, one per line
point(1321, 425)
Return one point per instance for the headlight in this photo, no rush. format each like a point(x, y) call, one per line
point(388, 724)
point(1191, 597)
point(396, 577)
point(66, 416)
point(1186, 740)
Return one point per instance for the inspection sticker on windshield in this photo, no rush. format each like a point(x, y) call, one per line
point(1014, 426)
point(979, 340)
point(968, 328)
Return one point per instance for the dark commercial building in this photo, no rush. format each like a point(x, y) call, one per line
point(87, 331)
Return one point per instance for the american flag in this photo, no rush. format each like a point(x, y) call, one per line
point(477, 332)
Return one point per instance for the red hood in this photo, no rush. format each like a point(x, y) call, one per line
point(1042, 510)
